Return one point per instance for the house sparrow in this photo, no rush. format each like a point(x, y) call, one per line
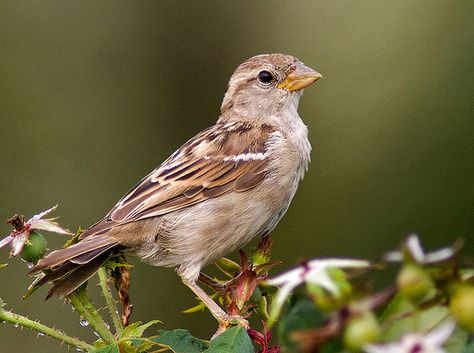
point(230, 183)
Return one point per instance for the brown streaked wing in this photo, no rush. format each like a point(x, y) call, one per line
point(191, 176)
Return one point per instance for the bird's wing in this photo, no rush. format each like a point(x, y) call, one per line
point(223, 158)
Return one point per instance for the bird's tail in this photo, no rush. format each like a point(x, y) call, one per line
point(71, 267)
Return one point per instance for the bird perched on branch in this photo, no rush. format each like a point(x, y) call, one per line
point(230, 183)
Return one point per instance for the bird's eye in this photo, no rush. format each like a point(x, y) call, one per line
point(265, 77)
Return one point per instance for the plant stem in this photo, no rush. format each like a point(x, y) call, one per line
point(23, 321)
point(109, 299)
point(86, 309)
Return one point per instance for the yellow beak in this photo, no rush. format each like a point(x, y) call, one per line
point(300, 78)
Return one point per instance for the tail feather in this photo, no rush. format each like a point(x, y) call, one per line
point(57, 273)
point(91, 255)
point(78, 253)
point(71, 267)
point(77, 276)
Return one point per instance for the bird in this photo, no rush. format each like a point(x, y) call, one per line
point(230, 183)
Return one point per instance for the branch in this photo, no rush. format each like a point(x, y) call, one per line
point(85, 308)
point(110, 300)
point(23, 321)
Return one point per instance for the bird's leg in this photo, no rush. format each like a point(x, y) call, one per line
point(224, 319)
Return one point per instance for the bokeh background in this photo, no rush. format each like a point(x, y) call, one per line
point(94, 94)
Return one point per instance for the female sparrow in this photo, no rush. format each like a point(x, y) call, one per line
point(230, 183)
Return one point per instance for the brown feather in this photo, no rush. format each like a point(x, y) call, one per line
point(57, 257)
point(193, 191)
point(90, 255)
point(248, 181)
point(218, 171)
point(71, 281)
point(57, 273)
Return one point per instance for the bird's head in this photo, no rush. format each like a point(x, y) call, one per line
point(266, 85)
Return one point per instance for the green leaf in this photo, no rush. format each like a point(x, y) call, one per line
point(111, 348)
point(137, 329)
point(195, 309)
point(233, 340)
point(469, 348)
point(74, 239)
point(112, 264)
point(301, 315)
point(227, 266)
point(397, 306)
point(180, 341)
point(140, 345)
point(458, 341)
point(199, 307)
point(413, 321)
point(261, 255)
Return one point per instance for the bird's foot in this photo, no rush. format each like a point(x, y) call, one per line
point(227, 321)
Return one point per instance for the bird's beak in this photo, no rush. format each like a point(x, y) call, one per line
point(300, 78)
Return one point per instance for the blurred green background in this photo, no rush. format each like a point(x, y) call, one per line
point(94, 94)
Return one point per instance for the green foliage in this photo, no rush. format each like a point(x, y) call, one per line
point(180, 341)
point(176, 341)
point(469, 348)
point(233, 340)
point(113, 348)
point(136, 329)
point(300, 316)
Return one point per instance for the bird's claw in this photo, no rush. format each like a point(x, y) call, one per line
point(237, 320)
point(231, 320)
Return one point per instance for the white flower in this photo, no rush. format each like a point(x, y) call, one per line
point(315, 272)
point(19, 236)
point(431, 342)
point(414, 249)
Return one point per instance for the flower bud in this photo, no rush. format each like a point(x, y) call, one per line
point(415, 283)
point(361, 330)
point(35, 247)
point(461, 306)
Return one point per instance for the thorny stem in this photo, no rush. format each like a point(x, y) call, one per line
point(23, 321)
point(86, 309)
point(109, 299)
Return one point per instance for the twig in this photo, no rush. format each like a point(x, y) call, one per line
point(23, 321)
point(86, 309)
point(103, 281)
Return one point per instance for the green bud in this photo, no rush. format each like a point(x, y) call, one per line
point(415, 283)
point(461, 306)
point(35, 248)
point(361, 330)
